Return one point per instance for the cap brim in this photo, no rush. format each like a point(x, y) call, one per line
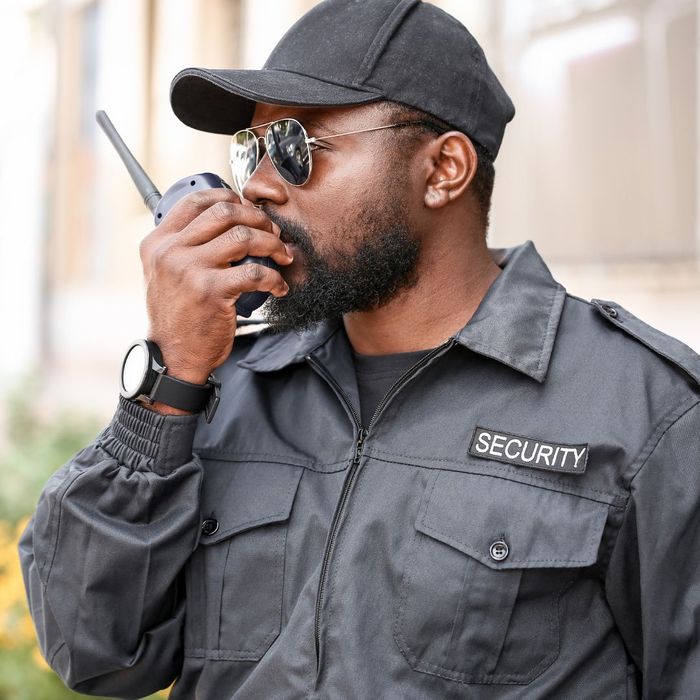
point(223, 101)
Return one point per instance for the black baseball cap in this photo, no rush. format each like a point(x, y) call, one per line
point(352, 52)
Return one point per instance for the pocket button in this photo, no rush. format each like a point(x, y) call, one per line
point(498, 550)
point(210, 526)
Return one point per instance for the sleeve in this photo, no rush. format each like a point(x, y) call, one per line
point(653, 580)
point(103, 552)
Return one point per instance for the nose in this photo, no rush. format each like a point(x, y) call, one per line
point(265, 185)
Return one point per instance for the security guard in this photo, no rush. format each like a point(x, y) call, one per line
point(456, 482)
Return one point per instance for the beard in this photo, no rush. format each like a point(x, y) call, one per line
point(384, 262)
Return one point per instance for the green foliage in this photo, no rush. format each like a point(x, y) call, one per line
point(22, 679)
point(35, 449)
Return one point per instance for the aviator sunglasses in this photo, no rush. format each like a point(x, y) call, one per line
point(289, 148)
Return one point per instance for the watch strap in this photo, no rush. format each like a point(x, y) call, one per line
point(187, 396)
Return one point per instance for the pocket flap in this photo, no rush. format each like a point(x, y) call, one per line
point(242, 496)
point(541, 528)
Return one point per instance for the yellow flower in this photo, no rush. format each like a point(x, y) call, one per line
point(16, 627)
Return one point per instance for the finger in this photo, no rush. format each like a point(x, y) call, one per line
point(193, 204)
point(220, 217)
point(237, 242)
point(250, 277)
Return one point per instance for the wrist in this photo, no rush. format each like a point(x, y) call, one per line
point(187, 369)
point(182, 365)
point(162, 408)
point(175, 391)
point(193, 376)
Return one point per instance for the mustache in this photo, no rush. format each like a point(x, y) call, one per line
point(290, 231)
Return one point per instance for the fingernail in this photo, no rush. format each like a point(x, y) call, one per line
point(290, 254)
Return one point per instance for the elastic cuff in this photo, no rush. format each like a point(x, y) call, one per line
point(144, 439)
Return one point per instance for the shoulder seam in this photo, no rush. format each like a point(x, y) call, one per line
point(680, 355)
point(669, 420)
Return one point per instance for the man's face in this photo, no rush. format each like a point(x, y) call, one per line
point(349, 226)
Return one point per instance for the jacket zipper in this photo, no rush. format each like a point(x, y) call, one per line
point(347, 486)
point(335, 527)
point(409, 374)
point(351, 478)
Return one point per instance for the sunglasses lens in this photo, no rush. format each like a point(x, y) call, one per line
point(285, 141)
point(243, 158)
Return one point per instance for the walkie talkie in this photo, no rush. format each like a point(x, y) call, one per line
point(159, 205)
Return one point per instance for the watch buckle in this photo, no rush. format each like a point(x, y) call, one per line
point(214, 398)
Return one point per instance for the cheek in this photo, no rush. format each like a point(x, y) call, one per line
point(350, 193)
point(333, 215)
point(351, 184)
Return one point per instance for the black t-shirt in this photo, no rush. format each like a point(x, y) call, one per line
point(376, 374)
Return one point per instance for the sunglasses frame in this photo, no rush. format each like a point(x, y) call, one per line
point(309, 141)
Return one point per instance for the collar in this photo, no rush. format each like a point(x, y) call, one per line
point(273, 351)
point(517, 320)
point(515, 324)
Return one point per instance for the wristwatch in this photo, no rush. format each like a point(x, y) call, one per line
point(144, 378)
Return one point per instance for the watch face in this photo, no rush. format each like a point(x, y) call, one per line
point(134, 370)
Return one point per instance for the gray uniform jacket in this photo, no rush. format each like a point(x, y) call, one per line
point(519, 520)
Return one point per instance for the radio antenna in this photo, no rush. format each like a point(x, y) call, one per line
point(149, 192)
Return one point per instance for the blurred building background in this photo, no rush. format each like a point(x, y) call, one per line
point(599, 167)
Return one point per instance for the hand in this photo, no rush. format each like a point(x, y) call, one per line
point(191, 288)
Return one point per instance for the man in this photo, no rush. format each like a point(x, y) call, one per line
point(456, 481)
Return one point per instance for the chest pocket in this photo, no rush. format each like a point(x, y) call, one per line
point(490, 559)
point(234, 579)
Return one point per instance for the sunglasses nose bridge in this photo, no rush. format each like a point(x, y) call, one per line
point(261, 142)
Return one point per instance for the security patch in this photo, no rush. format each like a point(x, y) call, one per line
point(528, 452)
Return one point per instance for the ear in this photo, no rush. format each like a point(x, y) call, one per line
point(453, 165)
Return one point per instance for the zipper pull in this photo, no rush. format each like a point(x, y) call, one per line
point(360, 444)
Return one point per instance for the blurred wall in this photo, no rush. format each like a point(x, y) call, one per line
point(599, 167)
